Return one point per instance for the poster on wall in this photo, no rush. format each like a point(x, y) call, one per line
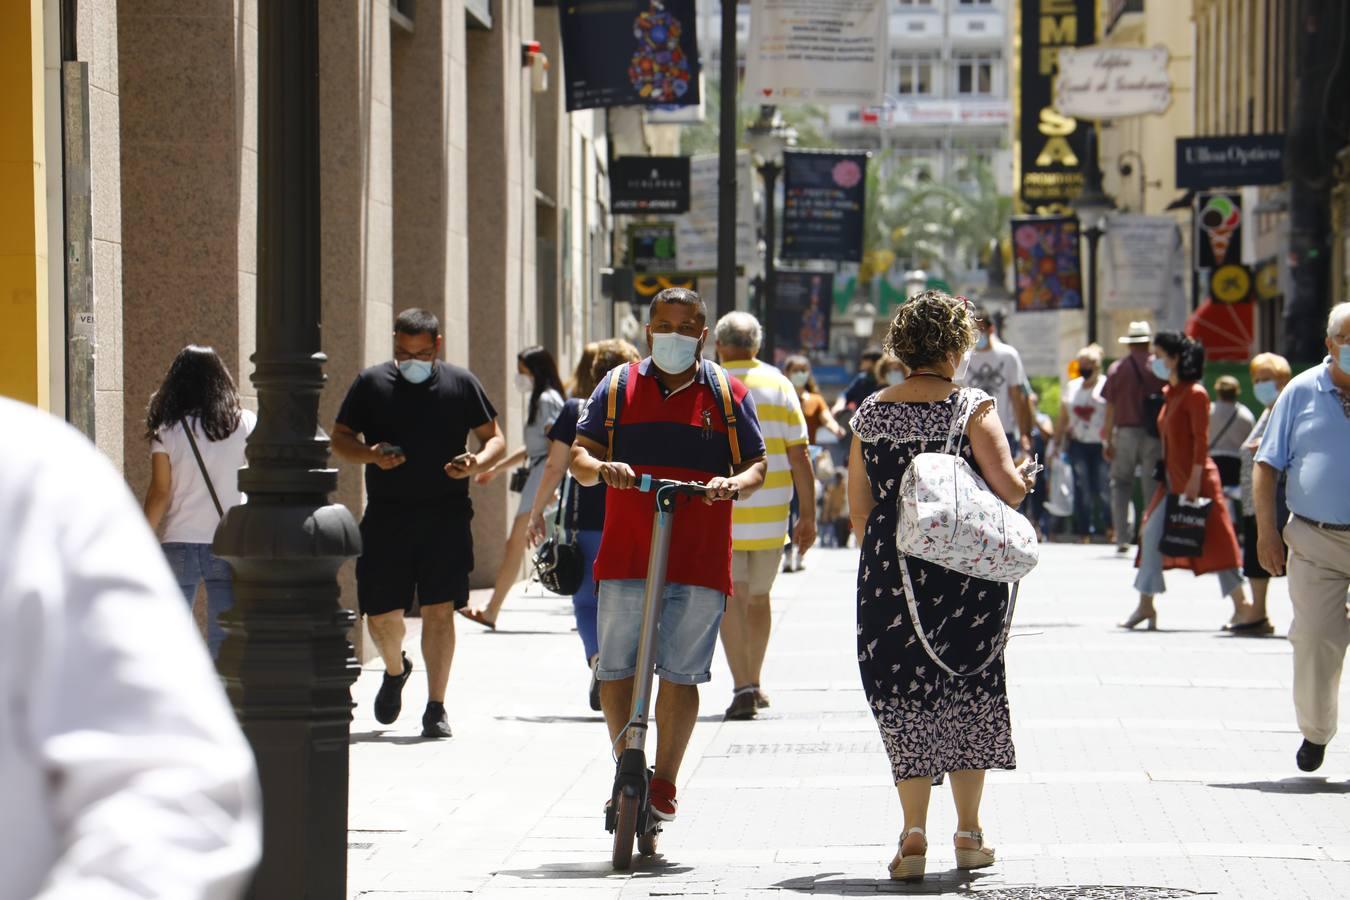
point(1217, 239)
point(1052, 145)
point(801, 314)
point(823, 201)
point(651, 246)
point(1142, 261)
point(1045, 258)
point(805, 51)
point(649, 184)
point(696, 230)
point(629, 53)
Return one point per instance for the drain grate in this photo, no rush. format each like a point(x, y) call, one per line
point(795, 749)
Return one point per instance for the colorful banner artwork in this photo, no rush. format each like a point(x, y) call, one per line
point(629, 53)
point(801, 313)
point(1045, 254)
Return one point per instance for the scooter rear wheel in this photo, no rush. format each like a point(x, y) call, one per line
point(625, 829)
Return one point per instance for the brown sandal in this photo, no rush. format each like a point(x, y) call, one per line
point(476, 615)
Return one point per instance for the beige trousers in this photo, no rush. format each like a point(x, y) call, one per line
point(1319, 577)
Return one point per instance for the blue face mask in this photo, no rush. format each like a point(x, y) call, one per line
point(674, 353)
point(895, 376)
point(1160, 368)
point(1265, 392)
point(415, 371)
point(1343, 359)
point(982, 342)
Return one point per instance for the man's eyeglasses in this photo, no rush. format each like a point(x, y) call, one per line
point(404, 355)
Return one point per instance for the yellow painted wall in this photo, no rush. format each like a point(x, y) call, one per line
point(23, 208)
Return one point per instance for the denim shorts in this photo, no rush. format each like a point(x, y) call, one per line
point(686, 634)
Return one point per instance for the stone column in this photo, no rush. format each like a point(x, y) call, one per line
point(501, 245)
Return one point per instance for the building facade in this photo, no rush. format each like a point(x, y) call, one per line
point(451, 179)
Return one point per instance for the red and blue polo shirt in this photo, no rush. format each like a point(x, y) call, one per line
point(679, 435)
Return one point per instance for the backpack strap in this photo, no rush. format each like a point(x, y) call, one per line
point(617, 385)
point(721, 388)
point(960, 416)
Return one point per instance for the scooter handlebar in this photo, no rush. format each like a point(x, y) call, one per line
point(647, 484)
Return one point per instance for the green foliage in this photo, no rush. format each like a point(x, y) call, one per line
point(809, 121)
point(1047, 389)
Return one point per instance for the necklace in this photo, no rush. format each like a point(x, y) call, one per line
point(930, 375)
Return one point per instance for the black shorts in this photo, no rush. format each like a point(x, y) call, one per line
point(1251, 564)
point(414, 552)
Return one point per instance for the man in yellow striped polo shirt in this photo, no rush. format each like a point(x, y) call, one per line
point(760, 523)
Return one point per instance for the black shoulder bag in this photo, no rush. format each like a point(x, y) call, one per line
point(201, 466)
point(1152, 403)
point(558, 561)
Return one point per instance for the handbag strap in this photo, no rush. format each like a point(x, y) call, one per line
point(956, 432)
point(558, 525)
point(923, 638)
point(1224, 430)
point(201, 466)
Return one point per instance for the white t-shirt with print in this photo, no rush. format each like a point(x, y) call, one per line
point(995, 371)
point(1087, 410)
point(192, 517)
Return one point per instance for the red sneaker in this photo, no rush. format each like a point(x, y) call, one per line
point(663, 802)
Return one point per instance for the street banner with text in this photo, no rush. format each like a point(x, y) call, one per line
point(629, 53)
point(1143, 262)
point(696, 230)
point(1045, 258)
point(817, 51)
point(823, 202)
point(1113, 82)
point(649, 184)
point(801, 313)
point(1050, 144)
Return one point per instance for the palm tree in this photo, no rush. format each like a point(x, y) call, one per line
point(809, 121)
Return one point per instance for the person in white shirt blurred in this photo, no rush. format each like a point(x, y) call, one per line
point(122, 768)
point(1082, 420)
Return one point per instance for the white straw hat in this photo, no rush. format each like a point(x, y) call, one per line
point(1139, 333)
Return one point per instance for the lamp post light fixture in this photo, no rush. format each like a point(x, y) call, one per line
point(916, 281)
point(1092, 206)
point(286, 661)
point(769, 139)
point(864, 316)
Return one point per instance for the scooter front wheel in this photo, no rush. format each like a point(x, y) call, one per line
point(647, 843)
point(625, 829)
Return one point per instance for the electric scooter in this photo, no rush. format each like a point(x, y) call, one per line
point(628, 815)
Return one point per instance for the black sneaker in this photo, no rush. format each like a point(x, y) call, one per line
point(434, 722)
point(1310, 756)
point(742, 707)
point(594, 693)
point(389, 701)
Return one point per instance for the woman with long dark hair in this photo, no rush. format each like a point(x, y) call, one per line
point(197, 431)
point(1183, 425)
point(537, 376)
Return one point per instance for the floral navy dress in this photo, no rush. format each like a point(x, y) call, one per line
point(931, 722)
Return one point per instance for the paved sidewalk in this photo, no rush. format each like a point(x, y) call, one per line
point(1150, 764)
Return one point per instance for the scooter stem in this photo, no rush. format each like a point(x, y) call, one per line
point(652, 602)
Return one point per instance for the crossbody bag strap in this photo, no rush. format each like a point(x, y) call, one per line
point(923, 638)
point(1224, 430)
point(960, 416)
point(559, 526)
point(201, 466)
point(722, 387)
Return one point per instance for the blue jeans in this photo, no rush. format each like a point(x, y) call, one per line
point(192, 564)
point(585, 600)
point(686, 636)
point(1091, 479)
point(1149, 580)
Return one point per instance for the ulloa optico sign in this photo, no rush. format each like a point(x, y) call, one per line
point(1234, 161)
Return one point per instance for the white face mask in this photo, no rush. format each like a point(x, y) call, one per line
point(962, 367)
point(799, 378)
point(894, 377)
point(524, 383)
point(673, 353)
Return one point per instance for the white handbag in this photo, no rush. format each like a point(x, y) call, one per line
point(949, 516)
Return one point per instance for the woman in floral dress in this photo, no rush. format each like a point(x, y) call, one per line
point(932, 723)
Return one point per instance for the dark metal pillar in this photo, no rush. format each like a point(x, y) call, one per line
point(286, 661)
point(770, 172)
point(726, 167)
point(1093, 233)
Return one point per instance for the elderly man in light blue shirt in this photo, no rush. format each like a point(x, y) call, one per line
point(1308, 440)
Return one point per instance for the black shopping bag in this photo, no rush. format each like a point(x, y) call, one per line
point(1184, 526)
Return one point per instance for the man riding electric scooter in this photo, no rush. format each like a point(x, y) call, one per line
point(678, 426)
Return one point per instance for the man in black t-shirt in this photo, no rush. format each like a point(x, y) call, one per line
point(408, 421)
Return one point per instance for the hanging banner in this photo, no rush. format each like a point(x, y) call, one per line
point(629, 53)
point(808, 51)
point(801, 313)
point(823, 201)
point(1052, 145)
point(651, 247)
point(1231, 161)
point(696, 230)
point(1045, 257)
point(1113, 83)
point(1141, 262)
point(649, 184)
point(1218, 230)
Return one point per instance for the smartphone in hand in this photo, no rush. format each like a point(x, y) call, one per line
point(391, 450)
point(463, 460)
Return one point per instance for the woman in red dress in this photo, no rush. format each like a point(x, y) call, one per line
point(1183, 424)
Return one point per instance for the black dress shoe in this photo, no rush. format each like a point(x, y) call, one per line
point(434, 721)
point(742, 707)
point(389, 701)
point(1310, 756)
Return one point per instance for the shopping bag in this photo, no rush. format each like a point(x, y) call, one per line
point(1184, 526)
point(1059, 501)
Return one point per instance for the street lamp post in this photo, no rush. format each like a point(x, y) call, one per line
point(286, 661)
point(726, 167)
point(916, 280)
point(769, 139)
point(1092, 206)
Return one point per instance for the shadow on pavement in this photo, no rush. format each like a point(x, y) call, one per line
point(597, 717)
point(643, 867)
point(1291, 786)
point(382, 737)
point(964, 884)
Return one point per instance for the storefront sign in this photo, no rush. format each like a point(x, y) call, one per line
point(801, 313)
point(1111, 83)
point(1045, 257)
point(649, 184)
point(629, 53)
point(804, 51)
point(823, 199)
point(696, 230)
point(1052, 144)
point(1236, 161)
point(651, 247)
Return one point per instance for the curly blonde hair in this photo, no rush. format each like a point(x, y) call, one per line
point(930, 328)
